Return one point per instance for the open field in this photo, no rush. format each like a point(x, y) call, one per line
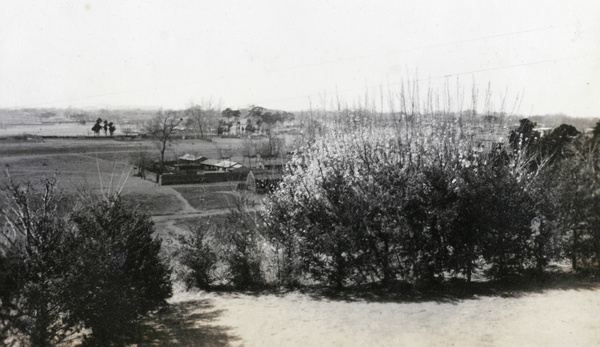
point(215, 196)
point(92, 165)
point(549, 317)
point(78, 156)
point(47, 129)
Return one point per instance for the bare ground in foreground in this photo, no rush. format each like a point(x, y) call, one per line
point(556, 317)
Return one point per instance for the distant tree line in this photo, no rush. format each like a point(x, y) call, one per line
point(108, 127)
point(258, 119)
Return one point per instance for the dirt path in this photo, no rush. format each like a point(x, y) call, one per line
point(187, 208)
point(552, 318)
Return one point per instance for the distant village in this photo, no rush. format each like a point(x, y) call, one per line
point(262, 165)
point(258, 177)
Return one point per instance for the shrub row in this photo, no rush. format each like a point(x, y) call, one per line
point(372, 204)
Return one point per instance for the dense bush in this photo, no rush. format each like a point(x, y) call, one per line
point(198, 257)
point(119, 276)
point(223, 252)
point(378, 204)
point(98, 269)
point(420, 198)
point(574, 190)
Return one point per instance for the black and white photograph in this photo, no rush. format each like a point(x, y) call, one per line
point(299, 173)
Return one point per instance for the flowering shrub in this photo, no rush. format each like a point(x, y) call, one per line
point(421, 197)
point(373, 203)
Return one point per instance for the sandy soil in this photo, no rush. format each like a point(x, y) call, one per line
point(552, 318)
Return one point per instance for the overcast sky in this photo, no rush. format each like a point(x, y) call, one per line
point(289, 55)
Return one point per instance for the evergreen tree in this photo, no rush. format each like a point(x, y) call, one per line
point(34, 257)
point(119, 276)
point(97, 126)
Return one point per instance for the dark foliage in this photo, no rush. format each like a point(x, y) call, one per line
point(119, 276)
point(524, 138)
point(574, 196)
point(34, 257)
point(97, 126)
point(111, 128)
point(555, 145)
point(596, 131)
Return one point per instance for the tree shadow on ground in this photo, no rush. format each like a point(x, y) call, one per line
point(456, 289)
point(186, 324)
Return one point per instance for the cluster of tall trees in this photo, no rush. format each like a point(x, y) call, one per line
point(258, 118)
point(105, 125)
point(571, 192)
point(420, 201)
point(96, 268)
point(266, 119)
point(202, 118)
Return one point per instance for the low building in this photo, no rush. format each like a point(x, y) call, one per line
point(219, 165)
point(189, 163)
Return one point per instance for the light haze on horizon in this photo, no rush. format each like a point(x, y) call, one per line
point(297, 55)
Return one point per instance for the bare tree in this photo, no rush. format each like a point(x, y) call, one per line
point(202, 117)
point(162, 128)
